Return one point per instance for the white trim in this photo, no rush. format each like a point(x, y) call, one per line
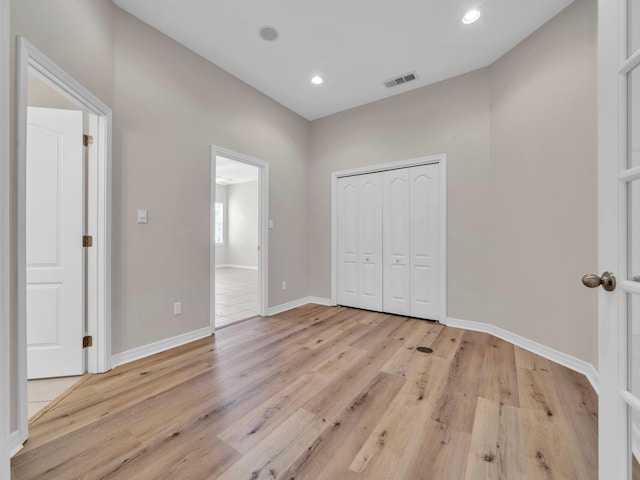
point(299, 303)
point(549, 353)
point(320, 301)
point(99, 214)
point(5, 215)
point(441, 159)
point(263, 228)
point(159, 346)
point(244, 267)
point(15, 445)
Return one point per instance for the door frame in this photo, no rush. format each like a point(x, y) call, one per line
point(98, 266)
point(440, 159)
point(5, 258)
point(263, 228)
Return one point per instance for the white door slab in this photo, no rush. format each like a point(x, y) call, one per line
point(348, 241)
point(424, 214)
point(370, 241)
point(54, 252)
point(396, 241)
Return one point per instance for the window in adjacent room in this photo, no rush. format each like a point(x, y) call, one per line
point(219, 224)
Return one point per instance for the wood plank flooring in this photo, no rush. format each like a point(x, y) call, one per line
point(323, 393)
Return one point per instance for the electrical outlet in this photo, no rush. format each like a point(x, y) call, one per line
point(284, 284)
point(177, 308)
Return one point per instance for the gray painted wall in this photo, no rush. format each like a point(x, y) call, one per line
point(169, 106)
point(242, 247)
point(520, 139)
point(514, 133)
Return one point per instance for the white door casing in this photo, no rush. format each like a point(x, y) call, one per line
point(5, 185)
point(263, 228)
point(29, 60)
point(370, 241)
point(396, 241)
point(54, 252)
point(348, 241)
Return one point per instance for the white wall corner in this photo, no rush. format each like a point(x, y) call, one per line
point(575, 364)
point(160, 346)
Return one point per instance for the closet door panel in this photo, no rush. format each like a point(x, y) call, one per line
point(396, 245)
point(348, 241)
point(424, 237)
point(370, 241)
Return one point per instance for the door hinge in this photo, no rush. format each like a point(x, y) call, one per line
point(87, 140)
point(87, 241)
point(87, 341)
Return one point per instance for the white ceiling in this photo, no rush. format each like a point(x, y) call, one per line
point(229, 172)
point(354, 44)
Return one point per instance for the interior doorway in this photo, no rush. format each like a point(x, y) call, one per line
point(55, 220)
point(64, 230)
point(238, 237)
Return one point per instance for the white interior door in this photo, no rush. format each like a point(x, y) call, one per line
point(424, 214)
point(370, 241)
point(54, 251)
point(348, 241)
point(396, 244)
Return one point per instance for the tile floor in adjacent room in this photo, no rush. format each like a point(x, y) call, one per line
point(237, 295)
point(41, 392)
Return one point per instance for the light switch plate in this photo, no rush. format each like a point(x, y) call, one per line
point(143, 216)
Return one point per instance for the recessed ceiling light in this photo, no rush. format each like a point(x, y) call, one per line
point(317, 80)
point(268, 33)
point(471, 16)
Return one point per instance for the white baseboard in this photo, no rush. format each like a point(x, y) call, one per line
point(245, 267)
point(160, 346)
point(320, 301)
point(549, 353)
point(298, 303)
point(15, 445)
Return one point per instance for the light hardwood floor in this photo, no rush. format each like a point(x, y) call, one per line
point(324, 393)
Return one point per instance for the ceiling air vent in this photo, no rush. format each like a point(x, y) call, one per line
point(407, 77)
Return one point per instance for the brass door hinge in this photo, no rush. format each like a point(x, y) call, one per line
point(87, 140)
point(87, 241)
point(87, 341)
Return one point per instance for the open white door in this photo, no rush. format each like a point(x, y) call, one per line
point(54, 252)
point(619, 238)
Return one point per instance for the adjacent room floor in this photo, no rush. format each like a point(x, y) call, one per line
point(324, 393)
point(237, 295)
point(43, 391)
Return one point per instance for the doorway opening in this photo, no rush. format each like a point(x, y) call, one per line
point(239, 187)
point(63, 224)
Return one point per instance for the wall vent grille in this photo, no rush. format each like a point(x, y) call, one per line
point(407, 77)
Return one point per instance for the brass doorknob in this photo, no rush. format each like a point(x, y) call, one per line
point(607, 280)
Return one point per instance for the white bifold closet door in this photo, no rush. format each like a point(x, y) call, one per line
point(370, 241)
point(424, 237)
point(348, 225)
point(360, 241)
point(397, 247)
point(388, 233)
